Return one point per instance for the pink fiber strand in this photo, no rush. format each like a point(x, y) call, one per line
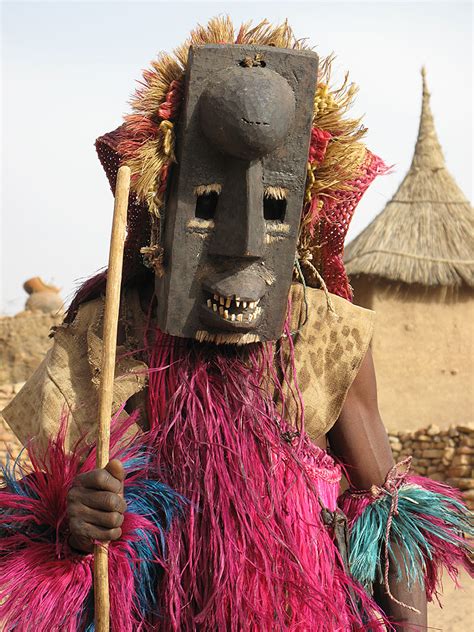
point(44, 586)
point(253, 553)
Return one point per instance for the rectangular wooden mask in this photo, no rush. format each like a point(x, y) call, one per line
point(233, 211)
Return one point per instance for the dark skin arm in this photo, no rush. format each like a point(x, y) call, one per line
point(359, 440)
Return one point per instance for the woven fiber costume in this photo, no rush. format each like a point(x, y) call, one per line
point(235, 359)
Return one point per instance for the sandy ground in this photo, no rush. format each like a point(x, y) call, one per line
point(457, 613)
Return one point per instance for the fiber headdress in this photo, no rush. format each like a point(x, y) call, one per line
point(340, 168)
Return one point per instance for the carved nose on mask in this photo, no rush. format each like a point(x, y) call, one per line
point(239, 224)
point(247, 112)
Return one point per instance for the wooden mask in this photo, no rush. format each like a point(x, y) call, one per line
point(233, 210)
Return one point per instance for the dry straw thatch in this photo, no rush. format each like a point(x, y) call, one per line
point(425, 234)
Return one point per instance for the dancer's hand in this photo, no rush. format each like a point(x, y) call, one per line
point(95, 506)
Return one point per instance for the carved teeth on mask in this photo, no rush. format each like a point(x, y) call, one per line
point(232, 308)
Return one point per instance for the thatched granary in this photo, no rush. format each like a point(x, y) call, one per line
point(414, 265)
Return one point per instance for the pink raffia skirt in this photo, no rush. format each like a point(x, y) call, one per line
point(254, 551)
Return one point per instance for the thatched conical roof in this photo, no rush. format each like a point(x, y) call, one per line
point(425, 234)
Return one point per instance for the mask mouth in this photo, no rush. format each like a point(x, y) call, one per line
point(234, 308)
point(232, 312)
point(232, 300)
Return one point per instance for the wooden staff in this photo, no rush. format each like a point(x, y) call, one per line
point(112, 304)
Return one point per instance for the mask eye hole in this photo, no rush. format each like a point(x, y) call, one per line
point(207, 196)
point(274, 204)
point(274, 209)
point(206, 205)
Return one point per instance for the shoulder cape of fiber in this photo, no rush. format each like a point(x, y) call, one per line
point(427, 519)
point(34, 551)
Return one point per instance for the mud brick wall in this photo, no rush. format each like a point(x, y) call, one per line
point(24, 341)
point(8, 442)
point(443, 455)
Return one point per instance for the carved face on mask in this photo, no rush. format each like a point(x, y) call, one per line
point(233, 211)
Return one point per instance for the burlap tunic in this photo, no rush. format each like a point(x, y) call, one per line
point(329, 348)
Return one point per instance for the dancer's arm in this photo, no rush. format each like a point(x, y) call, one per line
point(360, 440)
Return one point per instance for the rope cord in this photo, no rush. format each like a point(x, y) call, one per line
point(391, 487)
point(306, 257)
point(305, 297)
point(395, 478)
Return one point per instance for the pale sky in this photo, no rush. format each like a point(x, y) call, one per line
point(69, 68)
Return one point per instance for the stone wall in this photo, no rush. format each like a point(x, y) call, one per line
point(443, 455)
